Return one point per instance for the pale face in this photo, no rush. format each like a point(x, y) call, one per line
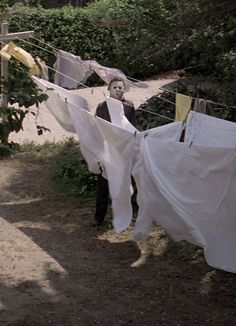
point(117, 90)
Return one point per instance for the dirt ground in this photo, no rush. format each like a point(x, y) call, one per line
point(55, 269)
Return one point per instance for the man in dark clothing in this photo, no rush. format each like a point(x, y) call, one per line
point(117, 89)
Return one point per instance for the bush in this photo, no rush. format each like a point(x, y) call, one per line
point(141, 38)
point(23, 92)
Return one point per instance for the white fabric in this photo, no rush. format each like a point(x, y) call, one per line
point(118, 164)
point(118, 118)
point(70, 65)
point(71, 71)
point(192, 197)
point(91, 139)
point(107, 74)
point(203, 129)
point(172, 132)
point(110, 147)
point(56, 102)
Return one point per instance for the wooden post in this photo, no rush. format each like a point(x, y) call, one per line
point(4, 67)
point(4, 38)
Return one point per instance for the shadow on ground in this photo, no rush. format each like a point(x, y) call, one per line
point(57, 270)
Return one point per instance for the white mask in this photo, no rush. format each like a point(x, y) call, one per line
point(117, 90)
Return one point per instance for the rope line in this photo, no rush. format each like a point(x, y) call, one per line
point(157, 114)
point(160, 88)
point(173, 92)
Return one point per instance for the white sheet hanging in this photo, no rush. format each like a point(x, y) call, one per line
point(71, 71)
point(203, 129)
point(191, 193)
point(111, 147)
point(56, 102)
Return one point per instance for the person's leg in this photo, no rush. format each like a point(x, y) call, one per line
point(102, 197)
point(134, 200)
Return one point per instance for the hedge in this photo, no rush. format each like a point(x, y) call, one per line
point(142, 38)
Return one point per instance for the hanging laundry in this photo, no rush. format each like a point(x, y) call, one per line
point(192, 197)
point(203, 129)
point(71, 71)
point(91, 139)
point(102, 144)
point(111, 147)
point(43, 69)
point(116, 112)
point(183, 104)
point(56, 102)
point(203, 106)
point(107, 74)
point(172, 132)
point(11, 50)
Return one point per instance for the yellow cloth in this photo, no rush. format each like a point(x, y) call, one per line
point(11, 50)
point(183, 104)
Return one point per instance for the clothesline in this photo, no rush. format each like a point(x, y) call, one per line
point(154, 113)
point(173, 92)
point(88, 86)
point(66, 58)
point(161, 88)
point(137, 80)
point(134, 79)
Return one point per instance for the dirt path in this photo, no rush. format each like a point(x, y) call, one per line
point(56, 270)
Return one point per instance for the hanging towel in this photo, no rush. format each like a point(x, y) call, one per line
point(183, 104)
point(71, 71)
point(11, 50)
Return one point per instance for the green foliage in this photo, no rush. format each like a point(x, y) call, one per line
point(141, 38)
point(155, 105)
point(23, 92)
point(67, 168)
point(66, 28)
point(71, 172)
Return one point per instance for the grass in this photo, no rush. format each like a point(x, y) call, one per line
point(67, 167)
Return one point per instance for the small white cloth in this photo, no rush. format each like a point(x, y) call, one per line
point(203, 129)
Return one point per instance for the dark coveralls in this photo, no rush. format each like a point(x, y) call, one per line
point(102, 190)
